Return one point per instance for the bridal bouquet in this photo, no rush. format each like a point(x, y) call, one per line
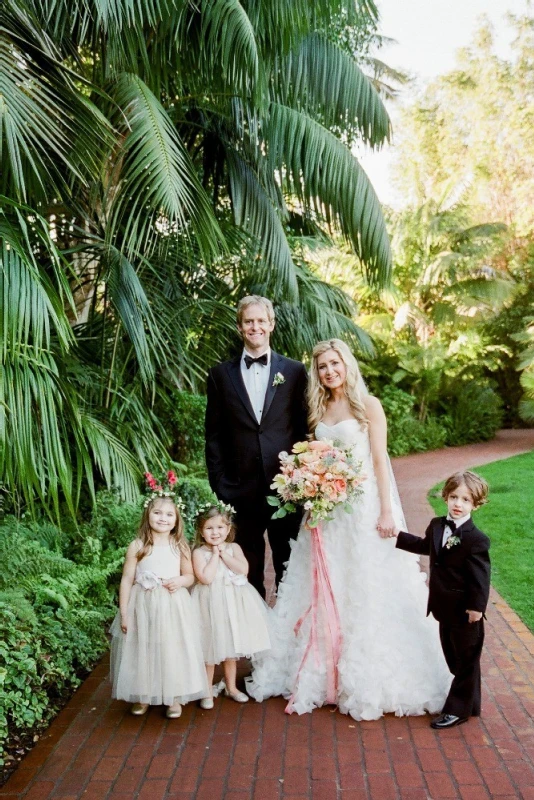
point(319, 476)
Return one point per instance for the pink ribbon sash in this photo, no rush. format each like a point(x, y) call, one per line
point(323, 599)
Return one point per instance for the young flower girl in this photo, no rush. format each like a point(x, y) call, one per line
point(233, 616)
point(156, 656)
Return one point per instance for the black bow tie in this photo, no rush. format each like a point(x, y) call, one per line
point(260, 360)
point(450, 524)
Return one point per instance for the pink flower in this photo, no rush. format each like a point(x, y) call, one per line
point(330, 492)
point(171, 477)
point(320, 446)
point(340, 485)
point(309, 489)
point(309, 458)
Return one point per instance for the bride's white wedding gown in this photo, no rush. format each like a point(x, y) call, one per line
point(391, 658)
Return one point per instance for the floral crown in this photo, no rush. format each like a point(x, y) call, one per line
point(164, 487)
point(223, 508)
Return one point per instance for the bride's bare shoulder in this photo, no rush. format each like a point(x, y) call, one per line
point(373, 407)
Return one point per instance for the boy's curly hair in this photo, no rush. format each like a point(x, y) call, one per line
point(477, 486)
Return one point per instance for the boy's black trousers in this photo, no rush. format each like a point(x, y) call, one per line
point(462, 647)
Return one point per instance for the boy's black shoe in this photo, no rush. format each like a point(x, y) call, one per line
point(447, 721)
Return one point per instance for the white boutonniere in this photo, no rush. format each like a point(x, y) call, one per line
point(451, 541)
point(278, 379)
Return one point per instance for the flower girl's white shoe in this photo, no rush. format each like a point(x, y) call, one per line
point(239, 697)
point(173, 712)
point(138, 709)
point(207, 703)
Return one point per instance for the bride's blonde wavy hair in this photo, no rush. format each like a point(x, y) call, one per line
point(319, 395)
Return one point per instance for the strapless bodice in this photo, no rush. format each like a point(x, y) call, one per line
point(347, 432)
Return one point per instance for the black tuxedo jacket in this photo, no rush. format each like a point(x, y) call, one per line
point(242, 453)
point(459, 575)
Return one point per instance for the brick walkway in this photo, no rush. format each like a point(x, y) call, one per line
point(95, 749)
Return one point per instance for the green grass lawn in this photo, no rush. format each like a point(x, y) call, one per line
point(508, 519)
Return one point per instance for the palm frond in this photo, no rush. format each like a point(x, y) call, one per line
point(324, 175)
point(32, 303)
point(115, 462)
point(228, 40)
point(479, 291)
point(127, 295)
point(254, 211)
point(116, 15)
point(157, 178)
point(321, 79)
point(36, 413)
point(45, 122)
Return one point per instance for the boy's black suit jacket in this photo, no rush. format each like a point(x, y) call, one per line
point(459, 575)
point(242, 453)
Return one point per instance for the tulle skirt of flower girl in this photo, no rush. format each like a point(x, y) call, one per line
point(159, 660)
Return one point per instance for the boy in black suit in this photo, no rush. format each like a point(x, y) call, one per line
point(459, 586)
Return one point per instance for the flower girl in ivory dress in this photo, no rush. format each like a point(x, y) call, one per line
point(232, 613)
point(155, 651)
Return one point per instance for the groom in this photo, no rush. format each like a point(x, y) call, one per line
point(256, 408)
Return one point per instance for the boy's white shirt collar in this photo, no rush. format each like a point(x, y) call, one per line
point(460, 521)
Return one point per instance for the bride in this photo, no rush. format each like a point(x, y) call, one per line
point(389, 657)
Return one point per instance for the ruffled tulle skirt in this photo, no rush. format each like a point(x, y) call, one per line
point(233, 620)
point(159, 660)
point(391, 658)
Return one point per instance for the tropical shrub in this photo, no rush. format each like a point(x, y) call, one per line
point(187, 430)
point(474, 412)
point(406, 432)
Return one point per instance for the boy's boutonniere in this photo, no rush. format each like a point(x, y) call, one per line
point(451, 541)
point(278, 379)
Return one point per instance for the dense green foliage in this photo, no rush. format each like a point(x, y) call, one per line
point(464, 244)
point(156, 159)
point(507, 520)
point(186, 426)
point(58, 592)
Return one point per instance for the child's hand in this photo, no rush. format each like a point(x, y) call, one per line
point(173, 584)
point(474, 616)
point(124, 626)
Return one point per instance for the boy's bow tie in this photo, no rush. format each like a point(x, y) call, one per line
point(450, 523)
point(260, 360)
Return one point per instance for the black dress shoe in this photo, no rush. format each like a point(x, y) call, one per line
point(447, 721)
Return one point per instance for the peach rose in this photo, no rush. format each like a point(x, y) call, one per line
point(320, 446)
point(330, 492)
point(340, 485)
point(309, 489)
point(309, 458)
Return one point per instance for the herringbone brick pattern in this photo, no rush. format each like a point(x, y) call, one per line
point(95, 750)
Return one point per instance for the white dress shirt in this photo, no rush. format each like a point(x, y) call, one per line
point(447, 531)
point(256, 380)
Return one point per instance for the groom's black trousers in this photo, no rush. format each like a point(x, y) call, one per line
point(462, 648)
point(253, 517)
